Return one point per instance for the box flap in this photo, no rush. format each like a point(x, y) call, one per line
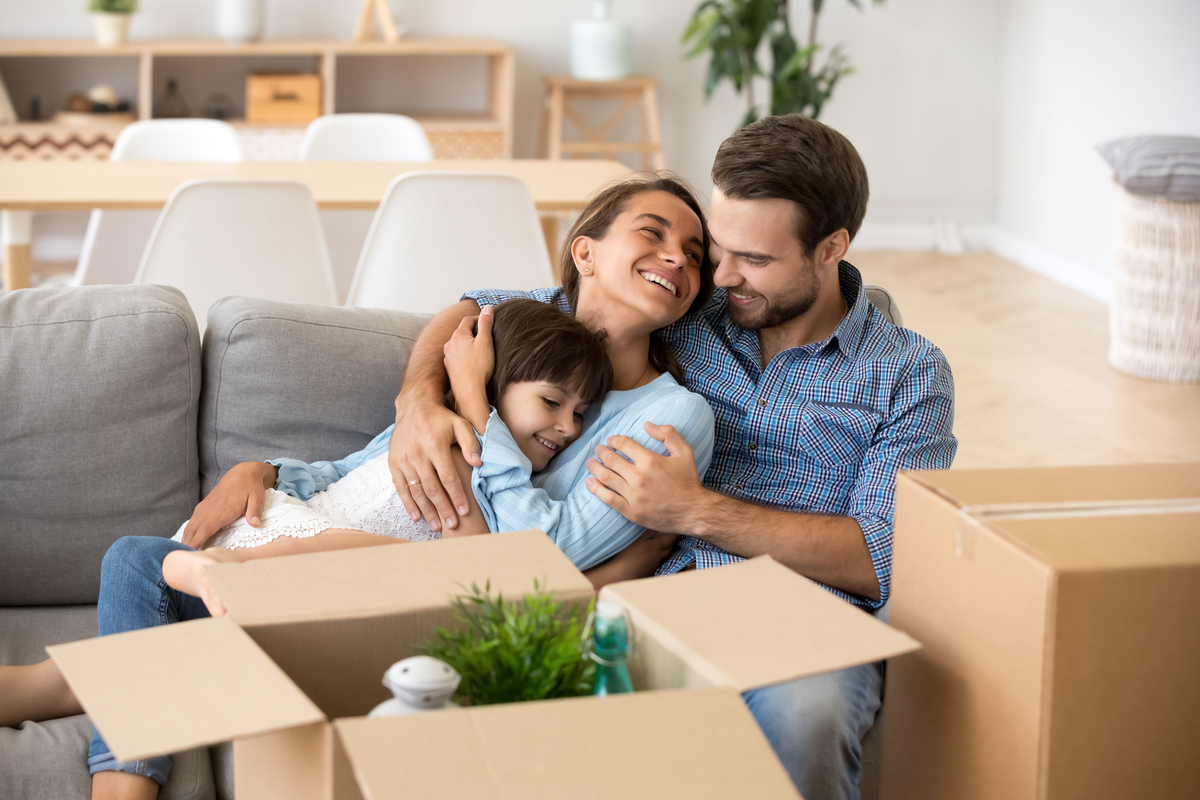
point(755, 623)
point(1108, 485)
point(391, 578)
point(168, 689)
point(648, 745)
point(1109, 542)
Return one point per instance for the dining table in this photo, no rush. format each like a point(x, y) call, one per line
point(28, 187)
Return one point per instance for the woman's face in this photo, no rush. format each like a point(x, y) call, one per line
point(645, 272)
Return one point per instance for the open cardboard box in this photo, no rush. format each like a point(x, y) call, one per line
point(1059, 611)
point(300, 658)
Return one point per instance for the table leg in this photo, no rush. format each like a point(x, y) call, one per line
point(16, 231)
point(550, 232)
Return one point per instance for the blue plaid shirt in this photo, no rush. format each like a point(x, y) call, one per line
point(823, 429)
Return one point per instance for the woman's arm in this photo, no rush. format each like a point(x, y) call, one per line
point(639, 560)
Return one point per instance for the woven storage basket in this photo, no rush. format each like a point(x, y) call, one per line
point(1155, 318)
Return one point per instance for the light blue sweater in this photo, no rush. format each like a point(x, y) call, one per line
point(556, 500)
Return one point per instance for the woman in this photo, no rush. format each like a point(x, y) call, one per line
point(637, 261)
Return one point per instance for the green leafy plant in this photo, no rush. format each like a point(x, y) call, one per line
point(512, 651)
point(112, 6)
point(732, 31)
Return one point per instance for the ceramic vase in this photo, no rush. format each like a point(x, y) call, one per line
point(240, 21)
point(112, 30)
point(601, 48)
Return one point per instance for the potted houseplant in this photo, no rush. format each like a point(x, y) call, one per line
point(112, 20)
point(731, 32)
point(515, 651)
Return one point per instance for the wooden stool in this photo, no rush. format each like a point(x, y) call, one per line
point(561, 91)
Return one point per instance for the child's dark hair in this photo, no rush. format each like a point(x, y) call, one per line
point(537, 342)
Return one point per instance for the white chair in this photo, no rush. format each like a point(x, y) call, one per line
point(358, 137)
point(437, 234)
point(365, 137)
point(115, 240)
point(248, 238)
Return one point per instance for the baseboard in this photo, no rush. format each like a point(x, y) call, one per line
point(916, 236)
point(1038, 259)
point(1033, 257)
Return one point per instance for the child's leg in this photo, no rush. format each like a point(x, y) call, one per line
point(183, 570)
point(35, 693)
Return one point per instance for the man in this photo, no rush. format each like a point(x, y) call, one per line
point(818, 400)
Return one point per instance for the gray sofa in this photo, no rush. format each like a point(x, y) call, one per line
point(114, 421)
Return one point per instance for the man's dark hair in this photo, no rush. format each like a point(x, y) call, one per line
point(537, 342)
point(799, 159)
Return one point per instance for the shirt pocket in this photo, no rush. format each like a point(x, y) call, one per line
point(837, 435)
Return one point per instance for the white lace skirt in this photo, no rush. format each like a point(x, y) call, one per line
point(364, 500)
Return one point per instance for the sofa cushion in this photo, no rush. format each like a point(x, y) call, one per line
point(99, 391)
point(25, 633)
point(291, 379)
point(48, 761)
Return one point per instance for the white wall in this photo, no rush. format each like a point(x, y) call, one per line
point(1077, 73)
point(921, 107)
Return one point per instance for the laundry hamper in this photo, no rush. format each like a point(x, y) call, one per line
point(1155, 318)
point(1154, 322)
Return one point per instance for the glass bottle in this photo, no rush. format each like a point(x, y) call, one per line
point(171, 104)
point(610, 647)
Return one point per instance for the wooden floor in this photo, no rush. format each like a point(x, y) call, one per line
point(1032, 380)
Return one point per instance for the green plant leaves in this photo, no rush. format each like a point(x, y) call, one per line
point(731, 31)
point(530, 649)
point(112, 6)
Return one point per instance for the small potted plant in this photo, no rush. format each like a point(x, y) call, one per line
point(508, 652)
point(112, 20)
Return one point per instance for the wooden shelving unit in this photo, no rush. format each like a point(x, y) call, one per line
point(487, 134)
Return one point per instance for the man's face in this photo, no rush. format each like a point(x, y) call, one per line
point(760, 261)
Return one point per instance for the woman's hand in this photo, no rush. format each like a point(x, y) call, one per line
point(641, 559)
point(241, 492)
point(470, 359)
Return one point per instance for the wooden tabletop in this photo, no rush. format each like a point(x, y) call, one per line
point(83, 185)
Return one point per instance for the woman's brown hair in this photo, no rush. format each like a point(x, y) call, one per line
point(537, 342)
point(608, 204)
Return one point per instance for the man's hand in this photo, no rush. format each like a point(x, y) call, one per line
point(663, 493)
point(241, 492)
point(422, 463)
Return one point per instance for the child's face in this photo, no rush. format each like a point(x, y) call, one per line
point(543, 418)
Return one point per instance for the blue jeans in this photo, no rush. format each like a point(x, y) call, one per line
point(816, 725)
point(133, 596)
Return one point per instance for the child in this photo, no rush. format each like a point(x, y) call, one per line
point(548, 368)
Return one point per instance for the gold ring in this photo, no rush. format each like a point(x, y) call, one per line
point(413, 483)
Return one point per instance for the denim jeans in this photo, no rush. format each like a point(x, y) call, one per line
point(816, 725)
point(133, 596)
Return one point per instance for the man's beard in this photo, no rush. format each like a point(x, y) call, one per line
point(777, 312)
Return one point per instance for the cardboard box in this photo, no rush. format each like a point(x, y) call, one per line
point(275, 97)
point(1059, 611)
point(298, 661)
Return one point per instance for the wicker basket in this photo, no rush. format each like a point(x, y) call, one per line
point(1155, 318)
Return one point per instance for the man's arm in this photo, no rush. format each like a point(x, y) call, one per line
point(664, 493)
point(426, 429)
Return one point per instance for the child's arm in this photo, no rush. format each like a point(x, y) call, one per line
point(470, 359)
point(639, 560)
point(474, 523)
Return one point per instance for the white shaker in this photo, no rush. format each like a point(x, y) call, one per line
point(419, 683)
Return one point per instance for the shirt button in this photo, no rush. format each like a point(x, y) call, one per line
point(762, 401)
point(739, 486)
point(753, 447)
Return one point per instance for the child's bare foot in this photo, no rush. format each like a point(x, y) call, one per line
point(37, 693)
point(183, 570)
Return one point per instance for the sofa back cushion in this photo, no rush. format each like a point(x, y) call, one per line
point(99, 394)
point(297, 380)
